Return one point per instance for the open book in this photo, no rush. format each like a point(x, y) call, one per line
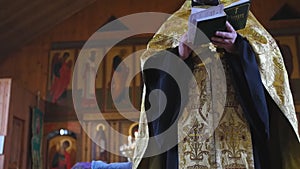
point(213, 19)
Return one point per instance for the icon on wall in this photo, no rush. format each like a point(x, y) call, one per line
point(61, 65)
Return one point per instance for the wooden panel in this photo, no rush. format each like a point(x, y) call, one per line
point(99, 142)
point(298, 118)
point(76, 28)
point(16, 147)
point(5, 87)
point(111, 116)
point(114, 144)
point(265, 10)
point(21, 100)
point(84, 144)
point(1, 161)
point(88, 143)
point(19, 19)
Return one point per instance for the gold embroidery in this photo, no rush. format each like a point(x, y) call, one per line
point(196, 151)
point(229, 146)
point(235, 166)
point(197, 167)
point(235, 142)
point(227, 2)
point(274, 78)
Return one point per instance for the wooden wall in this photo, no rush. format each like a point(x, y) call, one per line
point(28, 66)
point(5, 94)
point(16, 151)
point(30, 63)
point(266, 9)
point(83, 24)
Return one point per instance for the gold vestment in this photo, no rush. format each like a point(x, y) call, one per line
point(230, 145)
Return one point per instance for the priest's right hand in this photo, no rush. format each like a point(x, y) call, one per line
point(183, 47)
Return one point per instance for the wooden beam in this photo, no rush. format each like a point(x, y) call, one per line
point(110, 116)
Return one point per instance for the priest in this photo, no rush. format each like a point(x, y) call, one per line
point(180, 126)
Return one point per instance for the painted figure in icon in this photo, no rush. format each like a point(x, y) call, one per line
point(61, 71)
point(62, 159)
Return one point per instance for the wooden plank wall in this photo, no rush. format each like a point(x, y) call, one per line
point(5, 93)
point(5, 90)
point(2, 160)
point(20, 103)
point(265, 10)
point(28, 66)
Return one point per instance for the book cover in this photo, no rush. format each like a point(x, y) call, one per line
point(213, 19)
point(204, 2)
point(205, 22)
point(208, 28)
point(237, 14)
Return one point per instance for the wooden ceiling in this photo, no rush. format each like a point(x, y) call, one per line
point(21, 20)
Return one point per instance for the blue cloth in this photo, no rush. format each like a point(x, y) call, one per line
point(103, 165)
point(82, 165)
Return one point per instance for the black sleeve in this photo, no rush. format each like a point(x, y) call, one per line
point(251, 95)
point(163, 115)
point(250, 88)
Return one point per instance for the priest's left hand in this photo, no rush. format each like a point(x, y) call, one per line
point(226, 40)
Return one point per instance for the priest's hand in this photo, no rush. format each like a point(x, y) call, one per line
point(183, 48)
point(226, 40)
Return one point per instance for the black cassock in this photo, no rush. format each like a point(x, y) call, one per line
point(254, 99)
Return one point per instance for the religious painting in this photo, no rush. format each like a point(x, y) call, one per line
point(139, 50)
point(296, 82)
point(298, 51)
point(61, 65)
point(128, 145)
point(288, 48)
point(119, 65)
point(89, 75)
point(36, 140)
point(133, 130)
point(112, 76)
point(61, 152)
point(298, 118)
point(99, 145)
point(295, 87)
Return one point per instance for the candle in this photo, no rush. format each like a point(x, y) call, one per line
point(135, 134)
point(129, 140)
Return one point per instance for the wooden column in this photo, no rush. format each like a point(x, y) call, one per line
point(84, 148)
point(5, 88)
point(89, 142)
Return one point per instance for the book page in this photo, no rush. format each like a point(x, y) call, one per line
point(237, 3)
point(199, 14)
point(203, 14)
point(195, 10)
